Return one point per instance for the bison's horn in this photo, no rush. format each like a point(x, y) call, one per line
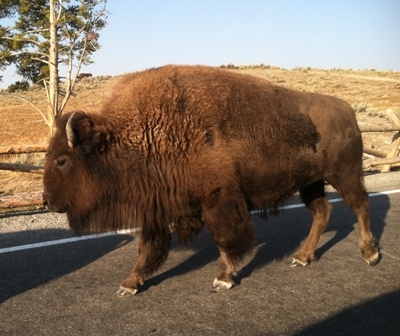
point(70, 132)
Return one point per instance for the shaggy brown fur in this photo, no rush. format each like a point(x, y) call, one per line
point(198, 146)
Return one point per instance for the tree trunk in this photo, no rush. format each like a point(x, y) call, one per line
point(53, 67)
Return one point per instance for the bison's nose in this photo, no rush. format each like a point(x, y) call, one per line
point(46, 202)
point(51, 205)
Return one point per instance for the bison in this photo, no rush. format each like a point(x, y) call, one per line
point(198, 146)
point(83, 75)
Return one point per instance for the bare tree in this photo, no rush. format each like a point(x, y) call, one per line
point(65, 33)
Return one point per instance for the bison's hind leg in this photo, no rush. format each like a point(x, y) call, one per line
point(356, 197)
point(228, 221)
point(314, 198)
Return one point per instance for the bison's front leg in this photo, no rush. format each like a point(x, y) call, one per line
point(227, 270)
point(153, 251)
point(229, 222)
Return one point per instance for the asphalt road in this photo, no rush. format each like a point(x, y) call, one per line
point(68, 288)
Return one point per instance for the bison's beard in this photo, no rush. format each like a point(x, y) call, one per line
point(149, 205)
point(114, 216)
point(104, 217)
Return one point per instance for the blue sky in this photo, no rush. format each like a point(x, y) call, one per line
point(353, 34)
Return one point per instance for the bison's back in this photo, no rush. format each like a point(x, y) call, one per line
point(226, 105)
point(230, 101)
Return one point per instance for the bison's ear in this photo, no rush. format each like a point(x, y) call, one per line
point(87, 133)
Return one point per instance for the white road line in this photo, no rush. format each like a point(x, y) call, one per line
point(106, 234)
point(64, 241)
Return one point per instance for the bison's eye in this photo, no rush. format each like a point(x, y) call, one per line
point(61, 162)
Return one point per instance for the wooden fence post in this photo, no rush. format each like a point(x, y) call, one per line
point(23, 149)
point(21, 168)
point(394, 147)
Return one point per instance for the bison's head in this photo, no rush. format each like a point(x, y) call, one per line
point(77, 164)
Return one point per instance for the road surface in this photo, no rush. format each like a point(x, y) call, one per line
point(54, 284)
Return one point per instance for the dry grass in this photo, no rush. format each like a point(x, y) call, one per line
point(370, 92)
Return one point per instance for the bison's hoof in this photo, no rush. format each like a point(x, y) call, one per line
point(124, 292)
point(373, 260)
point(370, 252)
point(297, 262)
point(219, 285)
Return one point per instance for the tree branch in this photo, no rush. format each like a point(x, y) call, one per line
point(37, 31)
point(41, 60)
point(20, 39)
point(70, 84)
point(35, 107)
point(61, 10)
point(31, 52)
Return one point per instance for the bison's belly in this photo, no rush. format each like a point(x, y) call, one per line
point(273, 185)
